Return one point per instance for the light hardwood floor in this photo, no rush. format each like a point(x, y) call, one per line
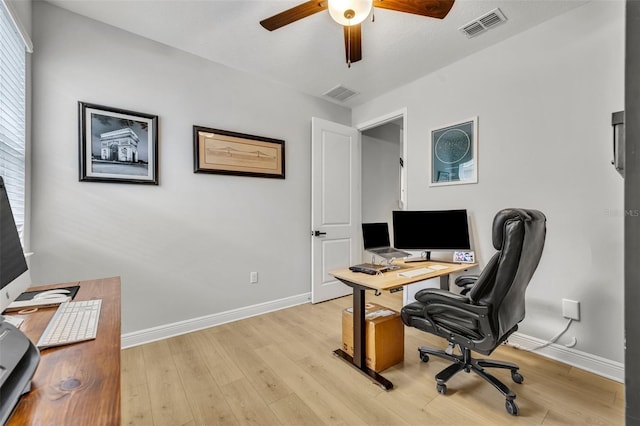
point(278, 369)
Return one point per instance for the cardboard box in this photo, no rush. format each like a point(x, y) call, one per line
point(384, 334)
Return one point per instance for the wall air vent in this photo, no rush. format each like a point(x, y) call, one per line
point(484, 23)
point(340, 93)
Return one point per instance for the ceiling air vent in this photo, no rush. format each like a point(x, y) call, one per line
point(473, 29)
point(340, 93)
point(484, 23)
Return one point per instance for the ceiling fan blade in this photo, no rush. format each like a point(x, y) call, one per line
point(432, 8)
point(353, 43)
point(292, 15)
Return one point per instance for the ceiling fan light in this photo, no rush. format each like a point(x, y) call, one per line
point(349, 12)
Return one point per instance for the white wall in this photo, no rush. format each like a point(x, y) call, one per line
point(185, 248)
point(380, 173)
point(544, 100)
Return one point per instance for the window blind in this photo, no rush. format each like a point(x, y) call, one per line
point(13, 115)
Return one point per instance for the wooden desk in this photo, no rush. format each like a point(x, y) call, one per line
point(387, 281)
point(76, 384)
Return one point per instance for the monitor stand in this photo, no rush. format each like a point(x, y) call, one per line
point(386, 262)
point(426, 257)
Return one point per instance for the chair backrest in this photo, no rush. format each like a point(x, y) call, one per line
point(518, 235)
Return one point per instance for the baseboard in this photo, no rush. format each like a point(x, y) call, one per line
point(601, 366)
point(175, 329)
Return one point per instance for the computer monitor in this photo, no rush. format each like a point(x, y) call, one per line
point(431, 230)
point(13, 266)
point(19, 357)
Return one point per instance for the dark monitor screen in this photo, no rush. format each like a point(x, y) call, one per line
point(431, 230)
point(12, 261)
point(375, 235)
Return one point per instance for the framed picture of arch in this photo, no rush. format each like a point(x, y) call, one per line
point(454, 153)
point(117, 145)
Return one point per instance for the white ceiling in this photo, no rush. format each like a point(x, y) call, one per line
point(308, 55)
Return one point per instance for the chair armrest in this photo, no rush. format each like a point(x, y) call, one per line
point(428, 295)
point(443, 299)
point(466, 283)
point(466, 280)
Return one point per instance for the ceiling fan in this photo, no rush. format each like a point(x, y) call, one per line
point(350, 13)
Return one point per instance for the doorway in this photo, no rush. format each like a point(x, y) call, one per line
point(383, 159)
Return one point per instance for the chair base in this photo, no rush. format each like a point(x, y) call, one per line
point(465, 362)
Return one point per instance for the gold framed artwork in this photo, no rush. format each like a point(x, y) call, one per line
point(230, 153)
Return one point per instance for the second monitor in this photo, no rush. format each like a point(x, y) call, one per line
point(431, 230)
point(375, 237)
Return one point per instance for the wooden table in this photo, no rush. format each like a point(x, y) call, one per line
point(390, 281)
point(77, 384)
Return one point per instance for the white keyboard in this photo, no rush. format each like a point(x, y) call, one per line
point(415, 272)
point(73, 322)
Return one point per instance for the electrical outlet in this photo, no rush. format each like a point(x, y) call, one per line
point(571, 309)
point(253, 277)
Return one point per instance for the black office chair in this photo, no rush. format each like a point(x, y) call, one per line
point(483, 318)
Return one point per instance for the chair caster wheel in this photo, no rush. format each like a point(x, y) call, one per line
point(517, 377)
point(511, 407)
point(441, 388)
point(424, 357)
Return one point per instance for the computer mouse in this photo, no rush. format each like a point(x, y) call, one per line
point(52, 294)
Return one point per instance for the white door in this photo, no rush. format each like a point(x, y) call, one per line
point(335, 205)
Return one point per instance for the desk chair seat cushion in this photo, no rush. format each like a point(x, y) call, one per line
point(438, 319)
point(452, 316)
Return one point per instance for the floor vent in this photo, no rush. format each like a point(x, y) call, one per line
point(484, 23)
point(340, 93)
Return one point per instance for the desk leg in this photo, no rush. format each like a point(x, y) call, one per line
point(359, 328)
point(359, 359)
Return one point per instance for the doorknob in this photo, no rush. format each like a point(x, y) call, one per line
point(318, 233)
